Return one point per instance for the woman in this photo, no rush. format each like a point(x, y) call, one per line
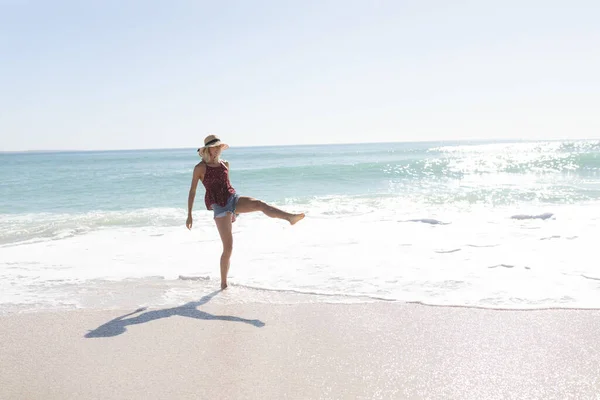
point(222, 199)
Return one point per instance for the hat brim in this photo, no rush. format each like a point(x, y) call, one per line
point(224, 146)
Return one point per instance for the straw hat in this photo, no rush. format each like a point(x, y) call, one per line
point(213, 141)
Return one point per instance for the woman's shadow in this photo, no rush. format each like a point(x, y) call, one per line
point(118, 325)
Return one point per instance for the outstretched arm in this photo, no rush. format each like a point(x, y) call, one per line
point(197, 176)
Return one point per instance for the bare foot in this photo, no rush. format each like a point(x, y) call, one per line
point(295, 218)
point(223, 285)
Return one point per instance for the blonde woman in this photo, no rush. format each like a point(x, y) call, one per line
point(222, 199)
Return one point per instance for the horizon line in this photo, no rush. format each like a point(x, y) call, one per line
point(292, 145)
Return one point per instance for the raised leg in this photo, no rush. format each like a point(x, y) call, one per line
point(249, 204)
point(224, 227)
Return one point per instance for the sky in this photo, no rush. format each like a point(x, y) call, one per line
point(82, 75)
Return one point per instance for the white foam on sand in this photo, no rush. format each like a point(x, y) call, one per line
point(479, 257)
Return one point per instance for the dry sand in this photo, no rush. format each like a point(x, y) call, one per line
point(205, 350)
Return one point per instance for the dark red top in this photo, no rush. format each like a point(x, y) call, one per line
point(218, 187)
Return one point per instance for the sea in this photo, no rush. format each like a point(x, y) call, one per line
point(509, 225)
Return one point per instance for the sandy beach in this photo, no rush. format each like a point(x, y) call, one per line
point(204, 350)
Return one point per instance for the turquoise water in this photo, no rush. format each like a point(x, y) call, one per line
point(69, 182)
point(503, 224)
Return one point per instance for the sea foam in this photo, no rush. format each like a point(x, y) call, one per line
point(481, 259)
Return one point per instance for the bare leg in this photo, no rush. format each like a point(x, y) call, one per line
point(249, 204)
point(224, 227)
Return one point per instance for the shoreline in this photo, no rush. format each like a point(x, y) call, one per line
point(156, 292)
point(384, 350)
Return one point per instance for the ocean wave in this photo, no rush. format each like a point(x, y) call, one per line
point(35, 227)
point(497, 174)
point(429, 221)
point(347, 259)
point(543, 216)
point(448, 251)
point(336, 295)
point(568, 146)
point(193, 278)
point(451, 163)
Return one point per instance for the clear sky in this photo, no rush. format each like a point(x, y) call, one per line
point(162, 74)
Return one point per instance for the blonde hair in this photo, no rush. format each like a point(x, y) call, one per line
point(205, 155)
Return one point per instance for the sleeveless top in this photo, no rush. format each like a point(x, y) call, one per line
point(218, 187)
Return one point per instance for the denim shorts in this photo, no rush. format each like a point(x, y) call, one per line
point(229, 206)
